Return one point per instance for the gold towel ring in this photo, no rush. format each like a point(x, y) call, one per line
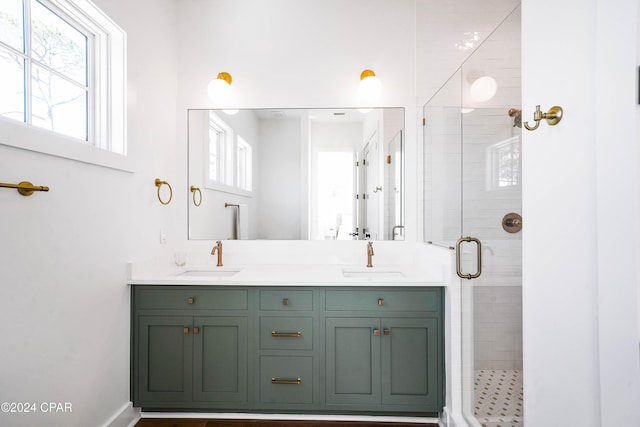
point(193, 190)
point(160, 184)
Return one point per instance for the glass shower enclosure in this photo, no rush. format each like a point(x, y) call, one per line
point(472, 205)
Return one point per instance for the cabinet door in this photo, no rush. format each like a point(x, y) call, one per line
point(410, 354)
point(352, 360)
point(220, 359)
point(165, 349)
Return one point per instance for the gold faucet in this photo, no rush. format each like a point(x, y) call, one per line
point(370, 253)
point(218, 248)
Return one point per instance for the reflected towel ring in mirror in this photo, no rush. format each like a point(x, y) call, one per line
point(195, 190)
point(159, 184)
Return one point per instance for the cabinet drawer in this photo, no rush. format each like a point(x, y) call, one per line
point(383, 299)
point(286, 379)
point(286, 333)
point(192, 298)
point(286, 300)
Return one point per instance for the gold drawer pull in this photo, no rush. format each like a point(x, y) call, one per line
point(285, 301)
point(376, 331)
point(185, 330)
point(191, 300)
point(286, 334)
point(380, 301)
point(297, 381)
point(196, 330)
point(386, 331)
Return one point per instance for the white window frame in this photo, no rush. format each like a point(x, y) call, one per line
point(106, 57)
point(493, 164)
point(223, 181)
point(226, 179)
point(244, 166)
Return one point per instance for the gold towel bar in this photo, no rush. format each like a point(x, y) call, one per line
point(25, 187)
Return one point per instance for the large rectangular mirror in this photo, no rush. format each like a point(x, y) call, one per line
point(296, 174)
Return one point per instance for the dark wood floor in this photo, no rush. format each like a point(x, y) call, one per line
point(196, 422)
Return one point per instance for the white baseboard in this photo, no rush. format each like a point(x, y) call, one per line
point(296, 417)
point(446, 420)
point(127, 416)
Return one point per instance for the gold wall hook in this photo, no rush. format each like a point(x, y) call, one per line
point(553, 117)
point(159, 184)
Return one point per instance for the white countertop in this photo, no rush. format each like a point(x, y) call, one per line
point(286, 275)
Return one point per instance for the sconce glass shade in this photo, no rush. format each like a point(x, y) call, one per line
point(370, 86)
point(483, 89)
point(219, 89)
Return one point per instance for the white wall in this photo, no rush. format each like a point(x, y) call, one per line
point(580, 178)
point(63, 296)
point(279, 189)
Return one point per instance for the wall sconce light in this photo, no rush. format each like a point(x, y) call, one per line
point(483, 89)
point(219, 89)
point(370, 86)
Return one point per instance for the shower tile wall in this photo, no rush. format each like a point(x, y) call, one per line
point(497, 320)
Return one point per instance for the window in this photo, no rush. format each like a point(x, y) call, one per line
point(244, 164)
point(63, 68)
point(219, 152)
point(503, 160)
point(228, 159)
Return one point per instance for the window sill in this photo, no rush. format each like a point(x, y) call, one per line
point(212, 185)
point(26, 137)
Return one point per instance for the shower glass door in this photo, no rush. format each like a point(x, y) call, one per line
point(472, 188)
point(492, 303)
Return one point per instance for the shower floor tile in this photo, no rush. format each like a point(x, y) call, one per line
point(498, 396)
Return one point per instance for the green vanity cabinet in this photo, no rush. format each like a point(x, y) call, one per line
point(384, 350)
point(187, 355)
point(287, 362)
point(165, 352)
point(358, 350)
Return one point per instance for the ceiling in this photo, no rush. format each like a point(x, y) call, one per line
point(447, 32)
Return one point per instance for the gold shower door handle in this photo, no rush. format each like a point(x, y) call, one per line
point(479, 257)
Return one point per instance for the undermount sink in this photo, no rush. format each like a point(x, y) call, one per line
point(371, 274)
point(209, 273)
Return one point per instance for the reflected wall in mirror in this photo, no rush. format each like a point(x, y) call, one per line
point(296, 174)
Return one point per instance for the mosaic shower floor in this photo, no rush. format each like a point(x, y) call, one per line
point(499, 398)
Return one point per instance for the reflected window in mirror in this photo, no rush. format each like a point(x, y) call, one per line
point(244, 156)
point(219, 154)
point(228, 158)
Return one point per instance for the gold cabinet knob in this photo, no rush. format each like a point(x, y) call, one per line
point(285, 301)
point(191, 300)
point(376, 331)
point(385, 331)
point(196, 330)
point(185, 330)
point(380, 301)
